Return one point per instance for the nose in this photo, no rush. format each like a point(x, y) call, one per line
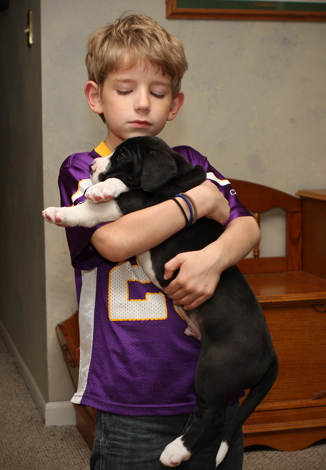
point(142, 102)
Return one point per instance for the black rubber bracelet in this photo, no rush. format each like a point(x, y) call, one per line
point(182, 210)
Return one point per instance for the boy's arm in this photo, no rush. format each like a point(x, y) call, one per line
point(140, 231)
point(200, 271)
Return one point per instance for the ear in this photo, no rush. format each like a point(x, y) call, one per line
point(158, 169)
point(93, 97)
point(176, 106)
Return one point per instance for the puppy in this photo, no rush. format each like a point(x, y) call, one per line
point(236, 347)
point(145, 167)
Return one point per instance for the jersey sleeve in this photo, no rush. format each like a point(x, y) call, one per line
point(236, 208)
point(73, 181)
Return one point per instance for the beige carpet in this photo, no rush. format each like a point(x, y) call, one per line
point(26, 444)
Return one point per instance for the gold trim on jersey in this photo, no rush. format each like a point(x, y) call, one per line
point(103, 150)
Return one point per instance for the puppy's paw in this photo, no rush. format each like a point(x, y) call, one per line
point(98, 193)
point(175, 453)
point(223, 450)
point(105, 190)
point(57, 215)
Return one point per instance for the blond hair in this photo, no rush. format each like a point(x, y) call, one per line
point(135, 37)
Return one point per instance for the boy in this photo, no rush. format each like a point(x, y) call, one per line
point(136, 366)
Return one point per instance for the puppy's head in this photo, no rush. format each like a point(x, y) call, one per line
point(99, 165)
point(143, 162)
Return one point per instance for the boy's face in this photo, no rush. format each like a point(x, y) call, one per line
point(137, 101)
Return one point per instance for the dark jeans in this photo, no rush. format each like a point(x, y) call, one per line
point(136, 443)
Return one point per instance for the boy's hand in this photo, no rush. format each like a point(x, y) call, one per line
point(199, 270)
point(196, 281)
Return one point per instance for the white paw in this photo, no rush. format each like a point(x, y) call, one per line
point(63, 216)
point(175, 453)
point(53, 215)
point(223, 450)
point(105, 190)
point(98, 193)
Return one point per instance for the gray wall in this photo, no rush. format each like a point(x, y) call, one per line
point(255, 105)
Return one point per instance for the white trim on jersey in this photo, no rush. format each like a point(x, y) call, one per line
point(211, 176)
point(86, 328)
point(82, 186)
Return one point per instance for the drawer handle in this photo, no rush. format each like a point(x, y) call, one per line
point(319, 395)
point(320, 308)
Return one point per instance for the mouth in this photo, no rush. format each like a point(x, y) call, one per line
point(140, 124)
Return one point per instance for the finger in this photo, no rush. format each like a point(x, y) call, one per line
point(171, 266)
point(182, 297)
point(195, 303)
point(173, 291)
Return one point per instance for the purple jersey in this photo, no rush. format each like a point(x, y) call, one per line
point(134, 357)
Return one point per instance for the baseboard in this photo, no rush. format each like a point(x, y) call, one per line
point(58, 413)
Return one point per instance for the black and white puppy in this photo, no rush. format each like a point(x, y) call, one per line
point(236, 347)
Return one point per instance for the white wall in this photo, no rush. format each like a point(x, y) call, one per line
point(255, 105)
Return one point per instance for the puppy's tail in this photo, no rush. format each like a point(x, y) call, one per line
point(254, 397)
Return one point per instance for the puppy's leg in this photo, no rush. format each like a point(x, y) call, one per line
point(210, 408)
point(175, 453)
point(86, 214)
point(206, 423)
point(106, 190)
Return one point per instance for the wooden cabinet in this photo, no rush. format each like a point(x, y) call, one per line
point(314, 231)
point(293, 415)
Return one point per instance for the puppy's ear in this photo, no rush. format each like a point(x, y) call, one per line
point(158, 169)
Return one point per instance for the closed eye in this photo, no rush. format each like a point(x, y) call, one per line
point(158, 95)
point(124, 92)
